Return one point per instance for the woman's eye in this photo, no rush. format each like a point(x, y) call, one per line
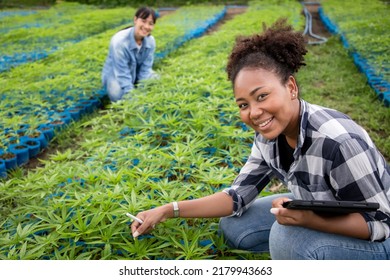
point(261, 96)
point(242, 106)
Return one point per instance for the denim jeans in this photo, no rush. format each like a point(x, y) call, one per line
point(113, 89)
point(257, 231)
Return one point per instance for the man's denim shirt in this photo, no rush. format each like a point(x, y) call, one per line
point(124, 63)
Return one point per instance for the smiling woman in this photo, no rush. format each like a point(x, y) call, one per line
point(317, 152)
point(131, 55)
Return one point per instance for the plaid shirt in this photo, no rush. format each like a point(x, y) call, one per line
point(335, 159)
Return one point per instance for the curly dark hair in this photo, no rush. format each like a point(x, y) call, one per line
point(278, 49)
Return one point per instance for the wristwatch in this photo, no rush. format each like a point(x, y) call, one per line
point(175, 209)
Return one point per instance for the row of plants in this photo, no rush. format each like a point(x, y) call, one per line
point(37, 36)
point(49, 94)
point(117, 159)
point(24, 45)
point(11, 19)
point(184, 23)
point(158, 3)
point(178, 138)
point(361, 26)
point(17, 12)
point(26, 3)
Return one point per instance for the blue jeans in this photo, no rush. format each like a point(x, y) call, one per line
point(113, 89)
point(257, 231)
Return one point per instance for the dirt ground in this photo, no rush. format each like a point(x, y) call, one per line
point(231, 12)
point(318, 27)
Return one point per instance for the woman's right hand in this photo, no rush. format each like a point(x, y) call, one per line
point(150, 219)
point(212, 206)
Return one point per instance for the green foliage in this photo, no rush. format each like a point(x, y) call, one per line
point(364, 25)
point(179, 138)
point(175, 138)
point(158, 3)
point(26, 3)
point(48, 86)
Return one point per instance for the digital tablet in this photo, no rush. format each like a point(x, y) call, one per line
point(332, 207)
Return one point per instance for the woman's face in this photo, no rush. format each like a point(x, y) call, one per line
point(143, 27)
point(265, 104)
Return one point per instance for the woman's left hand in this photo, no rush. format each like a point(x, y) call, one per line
point(286, 216)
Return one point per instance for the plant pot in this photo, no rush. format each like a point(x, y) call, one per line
point(100, 93)
point(21, 151)
point(21, 132)
point(10, 160)
point(34, 146)
point(60, 123)
point(81, 109)
point(66, 117)
point(47, 130)
point(57, 124)
point(3, 169)
point(74, 113)
point(96, 102)
point(12, 140)
point(37, 135)
point(89, 105)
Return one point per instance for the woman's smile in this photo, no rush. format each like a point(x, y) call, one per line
point(264, 124)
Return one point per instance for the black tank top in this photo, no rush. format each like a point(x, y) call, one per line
point(285, 153)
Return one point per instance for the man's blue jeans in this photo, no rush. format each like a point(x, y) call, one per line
point(257, 231)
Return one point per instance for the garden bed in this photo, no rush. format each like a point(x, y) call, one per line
point(177, 138)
